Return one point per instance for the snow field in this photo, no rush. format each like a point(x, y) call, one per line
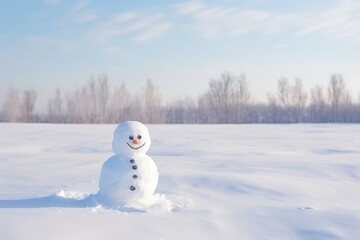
point(223, 182)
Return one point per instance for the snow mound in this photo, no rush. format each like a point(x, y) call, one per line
point(158, 203)
point(71, 195)
point(73, 199)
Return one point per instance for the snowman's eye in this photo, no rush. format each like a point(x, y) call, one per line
point(131, 137)
point(139, 137)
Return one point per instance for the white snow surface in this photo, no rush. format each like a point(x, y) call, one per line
point(216, 182)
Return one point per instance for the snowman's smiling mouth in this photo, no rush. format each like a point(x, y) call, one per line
point(135, 147)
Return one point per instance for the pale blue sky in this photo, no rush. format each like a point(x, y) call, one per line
point(180, 45)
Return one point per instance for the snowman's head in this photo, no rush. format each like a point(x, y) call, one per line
point(130, 138)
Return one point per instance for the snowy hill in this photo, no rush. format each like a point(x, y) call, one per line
point(224, 182)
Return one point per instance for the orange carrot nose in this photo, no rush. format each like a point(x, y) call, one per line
point(135, 141)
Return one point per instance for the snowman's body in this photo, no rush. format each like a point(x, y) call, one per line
point(130, 176)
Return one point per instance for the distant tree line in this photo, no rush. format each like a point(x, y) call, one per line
point(227, 100)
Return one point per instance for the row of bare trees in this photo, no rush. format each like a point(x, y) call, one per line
point(227, 100)
point(98, 102)
point(19, 106)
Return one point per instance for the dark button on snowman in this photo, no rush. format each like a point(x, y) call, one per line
point(130, 176)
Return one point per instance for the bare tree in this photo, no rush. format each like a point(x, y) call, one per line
point(219, 96)
point(336, 90)
point(299, 98)
point(205, 110)
point(190, 108)
point(89, 103)
point(120, 104)
point(80, 108)
point(357, 109)
point(85, 104)
point(102, 96)
point(284, 95)
point(175, 112)
point(284, 92)
point(55, 108)
point(317, 105)
point(28, 105)
point(90, 95)
point(241, 98)
point(12, 105)
point(71, 114)
point(273, 111)
point(152, 104)
point(136, 111)
point(182, 111)
point(346, 109)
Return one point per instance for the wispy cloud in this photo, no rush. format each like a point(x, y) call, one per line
point(341, 21)
point(124, 17)
point(153, 32)
point(188, 8)
point(80, 12)
point(79, 5)
point(209, 21)
point(140, 27)
point(213, 20)
point(217, 20)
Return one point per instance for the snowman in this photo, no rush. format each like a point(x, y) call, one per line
point(130, 176)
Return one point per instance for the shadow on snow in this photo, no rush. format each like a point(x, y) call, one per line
point(58, 201)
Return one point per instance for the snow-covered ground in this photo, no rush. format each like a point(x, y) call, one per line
point(224, 182)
